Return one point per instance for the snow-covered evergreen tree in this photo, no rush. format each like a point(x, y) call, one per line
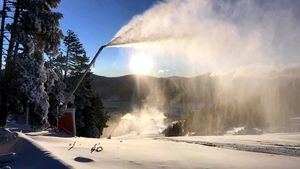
point(31, 77)
point(34, 32)
point(56, 91)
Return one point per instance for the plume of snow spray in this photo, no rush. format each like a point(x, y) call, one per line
point(236, 40)
point(143, 121)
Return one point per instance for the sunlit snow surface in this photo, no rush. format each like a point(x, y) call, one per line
point(177, 152)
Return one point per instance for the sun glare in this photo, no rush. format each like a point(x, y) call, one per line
point(140, 64)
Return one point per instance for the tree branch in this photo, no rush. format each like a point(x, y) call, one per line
point(6, 38)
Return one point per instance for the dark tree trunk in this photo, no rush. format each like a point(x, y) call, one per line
point(25, 109)
point(5, 80)
point(3, 114)
point(13, 36)
point(2, 34)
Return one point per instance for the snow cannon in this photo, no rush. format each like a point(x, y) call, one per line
point(70, 94)
point(66, 117)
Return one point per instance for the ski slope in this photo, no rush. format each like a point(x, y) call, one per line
point(168, 153)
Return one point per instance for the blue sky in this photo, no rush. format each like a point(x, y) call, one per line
point(273, 26)
point(96, 22)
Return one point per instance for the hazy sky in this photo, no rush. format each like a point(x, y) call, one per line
point(96, 22)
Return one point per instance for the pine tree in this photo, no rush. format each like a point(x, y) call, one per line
point(30, 79)
point(55, 88)
point(97, 118)
point(90, 115)
point(75, 55)
point(33, 32)
point(5, 9)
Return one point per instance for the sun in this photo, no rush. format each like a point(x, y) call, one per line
point(141, 64)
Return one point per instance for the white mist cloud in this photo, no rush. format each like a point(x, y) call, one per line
point(250, 46)
point(207, 36)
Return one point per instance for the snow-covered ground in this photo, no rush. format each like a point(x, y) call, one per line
point(279, 143)
point(152, 153)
